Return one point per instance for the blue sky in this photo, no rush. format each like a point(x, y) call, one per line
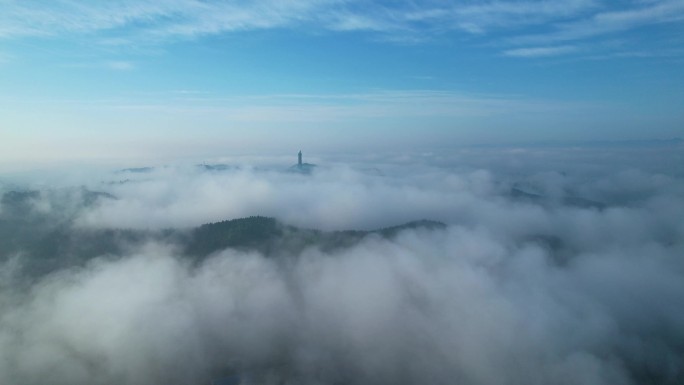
point(125, 79)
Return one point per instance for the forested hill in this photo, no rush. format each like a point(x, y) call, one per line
point(269, 236)
point(45, 241)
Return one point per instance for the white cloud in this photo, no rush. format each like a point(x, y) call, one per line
point(505, 14)
point(145, 24)
point(373, 104)
point(342, 197)
point(162, 20)
point(120, 65)
point(541, 51)
point(611, 21)
point(153, 18)
point(322, 107)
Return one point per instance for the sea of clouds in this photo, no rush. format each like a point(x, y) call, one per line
point(557, 266)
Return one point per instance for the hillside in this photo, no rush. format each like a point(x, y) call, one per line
point(48, 240)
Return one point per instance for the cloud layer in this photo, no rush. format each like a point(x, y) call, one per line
point(532, 281)
point(127, 21)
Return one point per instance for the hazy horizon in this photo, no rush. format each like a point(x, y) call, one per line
point(187, 78)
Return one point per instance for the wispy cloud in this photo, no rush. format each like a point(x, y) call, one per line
point(191, 17)
point(153, 22)
point(479, 18)
point(152, 18)
point(388, 104)
point(540, 51)
point(120, 65)
point(611, 21)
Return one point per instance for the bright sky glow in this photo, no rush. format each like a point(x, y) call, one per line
point(126, 79)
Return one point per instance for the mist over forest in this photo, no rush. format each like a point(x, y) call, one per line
point(341, 192)
point(530, 265)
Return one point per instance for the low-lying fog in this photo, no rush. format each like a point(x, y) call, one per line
point(556, 266)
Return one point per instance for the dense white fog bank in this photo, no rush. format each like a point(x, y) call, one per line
point(443, 306)
point(558, 266)
point(466, 186)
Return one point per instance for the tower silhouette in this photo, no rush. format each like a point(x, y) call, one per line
point(299, 157)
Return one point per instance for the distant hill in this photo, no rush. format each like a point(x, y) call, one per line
point(49, 240)
point(62, 246)
point(271, 237)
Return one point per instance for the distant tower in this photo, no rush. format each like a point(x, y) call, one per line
point(299, 157)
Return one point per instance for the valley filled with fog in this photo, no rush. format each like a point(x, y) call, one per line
point(479, 266)
point(308, 192)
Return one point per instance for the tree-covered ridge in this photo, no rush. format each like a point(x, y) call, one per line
point(47, 238)
point(270, 237)
point(253, 232)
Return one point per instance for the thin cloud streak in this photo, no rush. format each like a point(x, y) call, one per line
point(120, 65)
point(609, 22)
point(187, 19)
point(324, 107)
point(540, 51)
